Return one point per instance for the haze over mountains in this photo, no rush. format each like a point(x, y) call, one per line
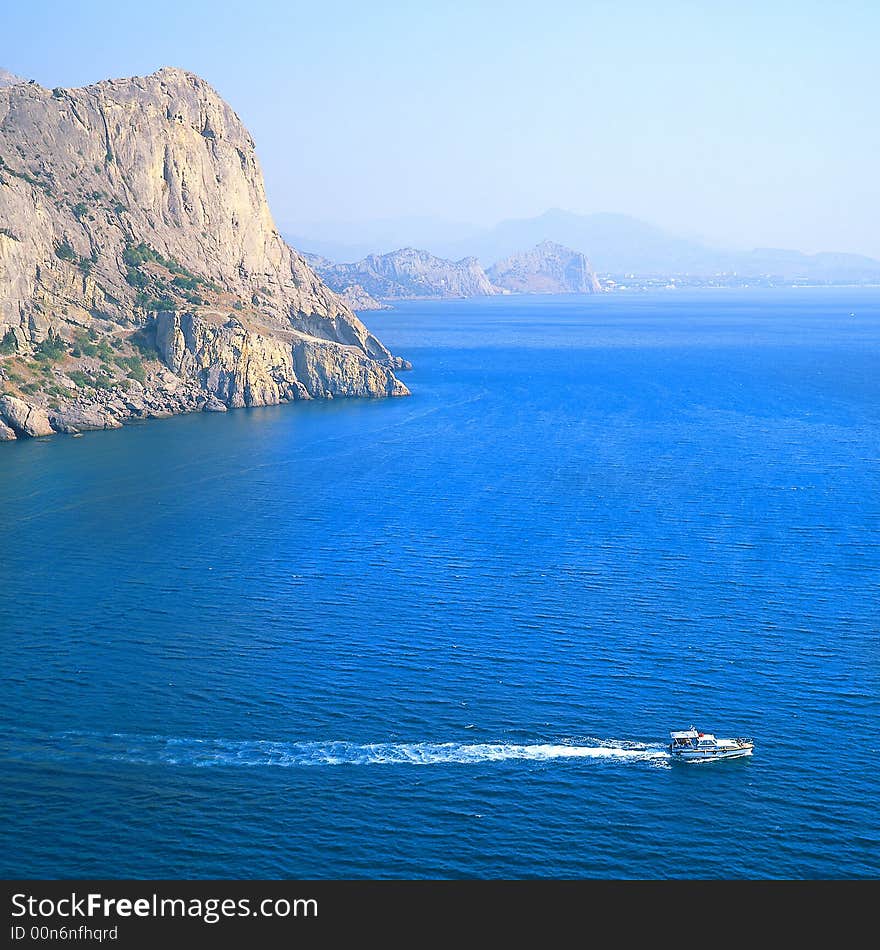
point(616, 244)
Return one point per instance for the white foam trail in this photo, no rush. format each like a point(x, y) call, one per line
point(185, 751)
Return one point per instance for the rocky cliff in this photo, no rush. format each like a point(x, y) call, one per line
point(353, 294)
point(409, 273)
point(9, 79)
point(548, 268)
point(358, 299)
point(141, 272)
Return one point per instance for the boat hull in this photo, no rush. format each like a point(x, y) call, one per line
point(712, 755)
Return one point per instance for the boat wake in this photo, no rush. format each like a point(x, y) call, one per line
point(192, 752)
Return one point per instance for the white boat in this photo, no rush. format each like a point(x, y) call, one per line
point(693, 746)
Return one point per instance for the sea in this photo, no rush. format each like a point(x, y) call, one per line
point(447, 636)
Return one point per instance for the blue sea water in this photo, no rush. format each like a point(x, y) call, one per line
point(447, 636)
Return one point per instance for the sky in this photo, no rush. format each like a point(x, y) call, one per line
point(745, 124)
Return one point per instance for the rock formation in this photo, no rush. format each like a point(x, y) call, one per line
point(9, 79)
point(141, 272)
point(355, 297)
point(548, 268)
point(409, 273)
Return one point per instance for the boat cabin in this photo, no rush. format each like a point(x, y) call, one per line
point(692, 739)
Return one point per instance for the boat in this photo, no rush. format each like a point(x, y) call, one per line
point(690, 745)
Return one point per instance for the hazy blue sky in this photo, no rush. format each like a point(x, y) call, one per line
point(752, 123)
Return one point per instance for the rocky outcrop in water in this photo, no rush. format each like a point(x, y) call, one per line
point(409, 273)
point(141, 273)
point(548, 268)
point(20, 418)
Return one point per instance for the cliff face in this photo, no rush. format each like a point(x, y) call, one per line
point(358, 299)
point(141, 272)
point(352, 294)
point(9, 79)
point(409, 273)
point(546, 269)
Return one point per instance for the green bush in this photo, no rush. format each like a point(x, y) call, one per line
point(192, 280)
point(136, 254)
point(79, 377)
point(184, 280)
point(137, 371)
point(102, 381)
point(148, 302)
point(134, 365)
point(65, 252)
point(51, 349)
point(85, 345)
point(7, 344)
point(80, 210)
point(141, 342)
point(135, 277)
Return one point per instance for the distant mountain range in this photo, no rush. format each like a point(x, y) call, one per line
point(616, 244)
point(408, 273)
